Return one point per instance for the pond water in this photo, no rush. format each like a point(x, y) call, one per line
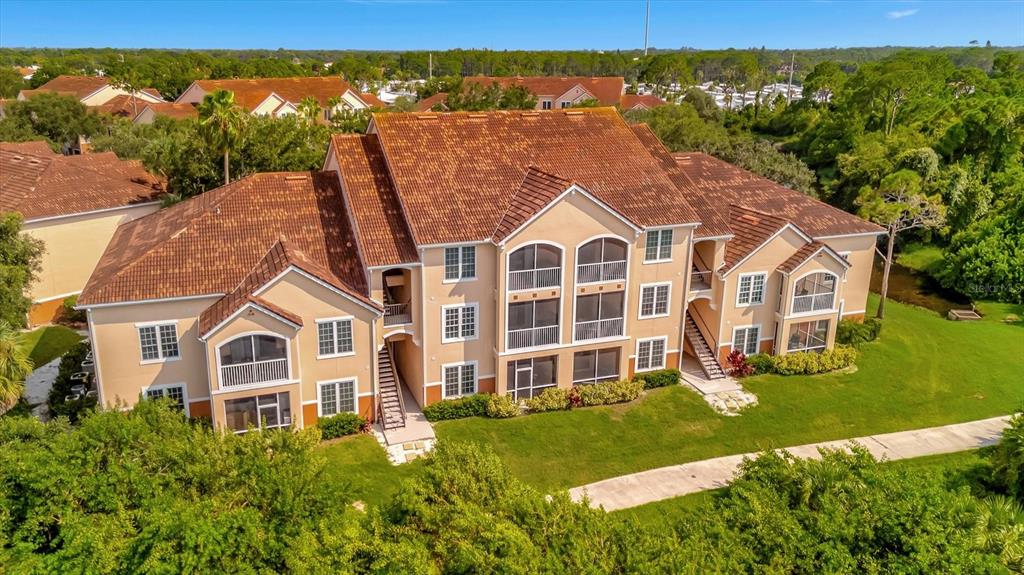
point(908, 286)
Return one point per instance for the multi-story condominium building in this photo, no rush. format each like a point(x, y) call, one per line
point(441, 255)
point(282, 96)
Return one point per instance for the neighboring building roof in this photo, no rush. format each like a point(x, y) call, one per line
point(538, 189)
point(120, 105)
point(724, 184)
point(751, 229)
point(171, 110)
point(210, 243)
point(457, 173)
point(79, 87)
point(427, 104)
point(372, 100)
point(384, 236)
point(250, 93)
point(40, 186)
point(605, 89)
point(807, 252)
point(630, 101)
point(35, 148)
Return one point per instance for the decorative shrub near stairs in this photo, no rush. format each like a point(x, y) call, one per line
point(804, 362)
point(660, 378)
point(469, 406)
point(339, 425)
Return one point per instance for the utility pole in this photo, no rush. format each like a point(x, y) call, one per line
point(430, 65)
point(647, 25)
point(789, 88)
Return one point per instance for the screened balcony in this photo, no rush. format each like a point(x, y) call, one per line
point(253, 359)
point(535, 266)
point(599, 316)
point(815, 292)
point(601, 260)
point(532, 324)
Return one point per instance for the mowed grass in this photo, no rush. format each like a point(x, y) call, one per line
point(923, 371)
point(46, 344)
point(921, 258)
point(359, 467)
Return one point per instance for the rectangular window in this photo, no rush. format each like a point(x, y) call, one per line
point(808, 336)
point(595, 366)
point(650, 354)
point(337, 397)
point(460, 322)
point(654, 300)
point(659, 246)
point(566, 105)
point(176, 393)
point(267, 411)
point(335, 337)
point(459, 380)
point(545, 105)
point(460, 263)
point(529, 377)
point(158, 342)
point(745, 339)
point(751, 289)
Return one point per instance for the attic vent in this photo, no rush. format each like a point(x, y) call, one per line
point(749, 218)
point(573, 112)
point(426, 116)
point(17, 158)
point(294, 178)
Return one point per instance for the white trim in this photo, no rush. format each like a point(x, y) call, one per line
point(94, 347)
point(664, 354)
point(452, 245)
point(476, 378)
point(287, 355)
point(55, 297)
point(712, 238)
point(143, 301)
point(336, 382)
point(659, 259)
point(237, 312)
point(352, 328)
point(163, 386)
point(788, 306)
point(314, 279)
point(398, 266)
point(573, 189)
point(835, 255)
point(91, 212)
point(159, 342)
point(444, 264)
point(789, 225)
point(561, 259)
point(764, 289)
point(856, 235)
point(855, 312)
point(668, 301)
point(256, 386)
point(476, 322)
point(747, 327)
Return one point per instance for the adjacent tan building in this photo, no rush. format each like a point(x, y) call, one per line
point(441, 255)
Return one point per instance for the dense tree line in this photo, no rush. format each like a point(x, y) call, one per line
point(145, 491)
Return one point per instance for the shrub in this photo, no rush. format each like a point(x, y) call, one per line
point(346, 423)
point(502, 406)
point(469, 406)
point(611, 392)
point(70, 364)
point(1007, 459)
point(809, 362)
point(762, 363)
point(70, 314)
point(660, 378)
point(738, 366)
point(855, 333)
point(551, 399)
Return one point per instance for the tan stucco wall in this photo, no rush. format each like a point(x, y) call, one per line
point(107, 93)
point(858, 278)
point(74, 246)
point(250, 322)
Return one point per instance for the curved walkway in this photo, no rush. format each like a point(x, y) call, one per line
point(667, 482)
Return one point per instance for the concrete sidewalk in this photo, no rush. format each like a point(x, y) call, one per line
point(666, 482)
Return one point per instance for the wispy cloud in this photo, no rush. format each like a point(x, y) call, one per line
point(897, 14)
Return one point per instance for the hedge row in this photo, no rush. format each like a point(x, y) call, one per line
point(855, 333)
point(345, 423)
point(469, 406)
point(804, 362)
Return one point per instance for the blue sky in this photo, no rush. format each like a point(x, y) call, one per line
point(507, 24)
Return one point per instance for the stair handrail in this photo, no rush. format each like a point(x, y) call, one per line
point(696, 256)
point(398, 381)
point(704, 330)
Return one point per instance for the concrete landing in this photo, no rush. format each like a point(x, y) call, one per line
point(412, 441)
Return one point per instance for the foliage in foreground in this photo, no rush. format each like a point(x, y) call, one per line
point(20, 261)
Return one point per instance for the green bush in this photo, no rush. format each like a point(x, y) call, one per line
point(809, 362)
point(469, 406)
point(70, 364)
point(660, 378)
point(502, 406)
point(551, 399)
point(855, 333)
point(70, 314)
point(762, 363)
point(611, 392)
point(346, 423)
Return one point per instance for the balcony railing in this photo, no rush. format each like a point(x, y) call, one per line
point(255, 372)
point(532, 337)
point(814, 302)
point(601, 328)
point(700, 280)
point(534, 279)
point(397, 314)
point(601, 272)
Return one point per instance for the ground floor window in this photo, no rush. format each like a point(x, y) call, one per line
point(337, 396)
point(745, 339)
point(266, 411)
point(808, 336)
point(175, 393)
point(595, 366)
point(459, 379)
point(529, 377)
point(650, 354)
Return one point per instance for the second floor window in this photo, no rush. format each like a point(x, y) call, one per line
point(460, 263)
point(158, 342)
point(654, 300)
point(659, 246)
point(459, 322)
point(335, 337)
point(751, 289)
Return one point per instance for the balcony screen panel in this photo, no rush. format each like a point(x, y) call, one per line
point(583, 365)
point(547, 256)
point(614, 250)
point(587, 307)
point(611, 304)
point(546, 313)
point(607, 363)
point(520, 315)
point(590, 253)
point(522, 259)
point(269, 347)
point(237, 351)
point(544, 371)
point(241, 413)
point(819, 283)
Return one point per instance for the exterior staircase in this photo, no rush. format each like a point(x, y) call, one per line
point(705, 355)
point(391, 407)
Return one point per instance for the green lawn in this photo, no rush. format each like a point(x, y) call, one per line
point(920, 258)
point(359, 466)
point(47, 343)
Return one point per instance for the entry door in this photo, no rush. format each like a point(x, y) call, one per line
point(524, 380)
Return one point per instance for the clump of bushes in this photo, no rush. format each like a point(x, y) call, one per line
point(69, 314)
point(609, 393)
point(346, 423)
point(70, 364)
point(502, 406)
point(738, 364)
point(761, 363)
point(554, 399)
point(809, 362)
point(660, 378)
point(469, 406)
point(855, 333)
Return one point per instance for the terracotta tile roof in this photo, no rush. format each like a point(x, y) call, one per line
point(630, 101)
point(120, 105)
point(278, 258)
point(208, 244)
point(713, 221)
point(807, 252)
point(171, 110)
point(250, 93)
point(78, 86)
point(538, 189)
point(724, 184)
point(752, 229)
point(427, 104)
point(456, 173)
point(47, 186)
point(606, 89)
point(34, 148)
point(372, 100)
point(384, 236)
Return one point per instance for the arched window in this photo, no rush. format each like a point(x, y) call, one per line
point(250, 359)
point(814, 292)
point(535, 266)
point(601, 260)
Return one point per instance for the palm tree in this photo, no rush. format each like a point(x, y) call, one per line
point(222, 123)
point(15, 365)
point(309, 107)
point(334, 104)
